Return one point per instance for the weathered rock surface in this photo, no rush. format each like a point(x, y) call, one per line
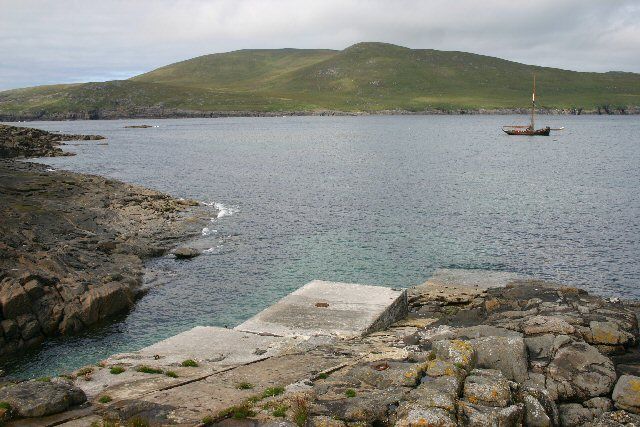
point(72, 248)
point(185, 253)
point(28, 142)
point(626, 394)
point(32, 399)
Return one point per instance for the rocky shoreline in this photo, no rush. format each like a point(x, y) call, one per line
point(21, 142)
point(173, 113)
point(72, 246)
point(466, 350)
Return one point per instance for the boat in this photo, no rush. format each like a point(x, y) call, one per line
point(529, 130)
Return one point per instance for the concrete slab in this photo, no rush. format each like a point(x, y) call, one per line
point(208, 345)
point(214, 349)
point(458, 285)
point(330, 308)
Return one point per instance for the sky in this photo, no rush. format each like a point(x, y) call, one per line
point(69, 41)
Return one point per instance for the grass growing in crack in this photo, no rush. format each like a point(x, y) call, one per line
point(350, 393)
point(254, 399)
point(117, 370)
point(5, 405)
point(190, 363)
point(280, 411)
point(208, 420)
point(272, 391)
point(239, 412)
point(44, 379)
point(104, 399)
point(322, 376)
point(300, 412)
point(148, 370)
point(244, 386)
point(171, 374)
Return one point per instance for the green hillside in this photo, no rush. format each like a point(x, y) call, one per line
point(363, 77)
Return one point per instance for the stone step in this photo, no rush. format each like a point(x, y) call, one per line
point(330, 308)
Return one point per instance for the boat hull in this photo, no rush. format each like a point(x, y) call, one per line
point(530, 132)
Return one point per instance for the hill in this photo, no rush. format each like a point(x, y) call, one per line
point(366, 77)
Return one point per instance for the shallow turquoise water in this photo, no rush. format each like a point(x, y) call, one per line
point(380, 200)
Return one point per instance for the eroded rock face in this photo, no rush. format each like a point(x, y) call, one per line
point(32, 399)
point(72, 248)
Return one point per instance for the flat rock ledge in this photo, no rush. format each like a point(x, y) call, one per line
point(503, 351)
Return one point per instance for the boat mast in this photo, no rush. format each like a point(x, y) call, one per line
point(533, 102)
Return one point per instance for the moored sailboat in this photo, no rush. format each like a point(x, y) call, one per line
point(529, 130)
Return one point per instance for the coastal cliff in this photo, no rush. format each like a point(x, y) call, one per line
point(72, 246)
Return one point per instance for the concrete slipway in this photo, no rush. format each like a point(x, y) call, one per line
point(286, 344)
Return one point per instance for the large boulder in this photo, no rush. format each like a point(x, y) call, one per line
point(487, 387)
point(480, 416)
point(39, 398)
point(626, 394)
point(579, 372)
point(506, 354)
point(574, 414)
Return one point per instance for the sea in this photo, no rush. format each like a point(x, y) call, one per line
point(380, 200)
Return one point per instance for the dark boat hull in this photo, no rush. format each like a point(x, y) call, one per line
point(531, 132)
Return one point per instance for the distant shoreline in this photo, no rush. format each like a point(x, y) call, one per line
point(158, 113)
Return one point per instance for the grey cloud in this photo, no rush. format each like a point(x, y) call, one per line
point(58, 41)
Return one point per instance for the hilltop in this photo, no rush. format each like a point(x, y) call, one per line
point(363, 78)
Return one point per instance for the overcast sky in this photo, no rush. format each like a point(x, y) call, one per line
point(61, 41)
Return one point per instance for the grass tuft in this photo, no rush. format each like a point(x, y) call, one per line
point(117, 370)
point(190, 363)
point(350, 393)
point(273, 391)
point(244, 386)
point(171, 374)
point(104, 399)
point(148, 370)
point(280, 411)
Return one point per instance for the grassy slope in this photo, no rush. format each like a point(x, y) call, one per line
point(366, 76)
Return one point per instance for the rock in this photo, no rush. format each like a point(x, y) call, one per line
point(506, 354)
point(535, 415)
point(185, 253)
point(39, 398)
point(438, 368)
point(417, 416)
point(459, 352)
point(481, 416)
point(545, 401)
point(626, 394)
point(574, 414)
point(546, 325)
point(431, 397)
point(615, 419)
point(543, 347)
point(598, 405)
point(451, 385)
point(607, 333)
point(487, 387)
point(104, 301)
point(14, 300)
point(579, 371)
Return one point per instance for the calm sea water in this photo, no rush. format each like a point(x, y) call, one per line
point(380, 200)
